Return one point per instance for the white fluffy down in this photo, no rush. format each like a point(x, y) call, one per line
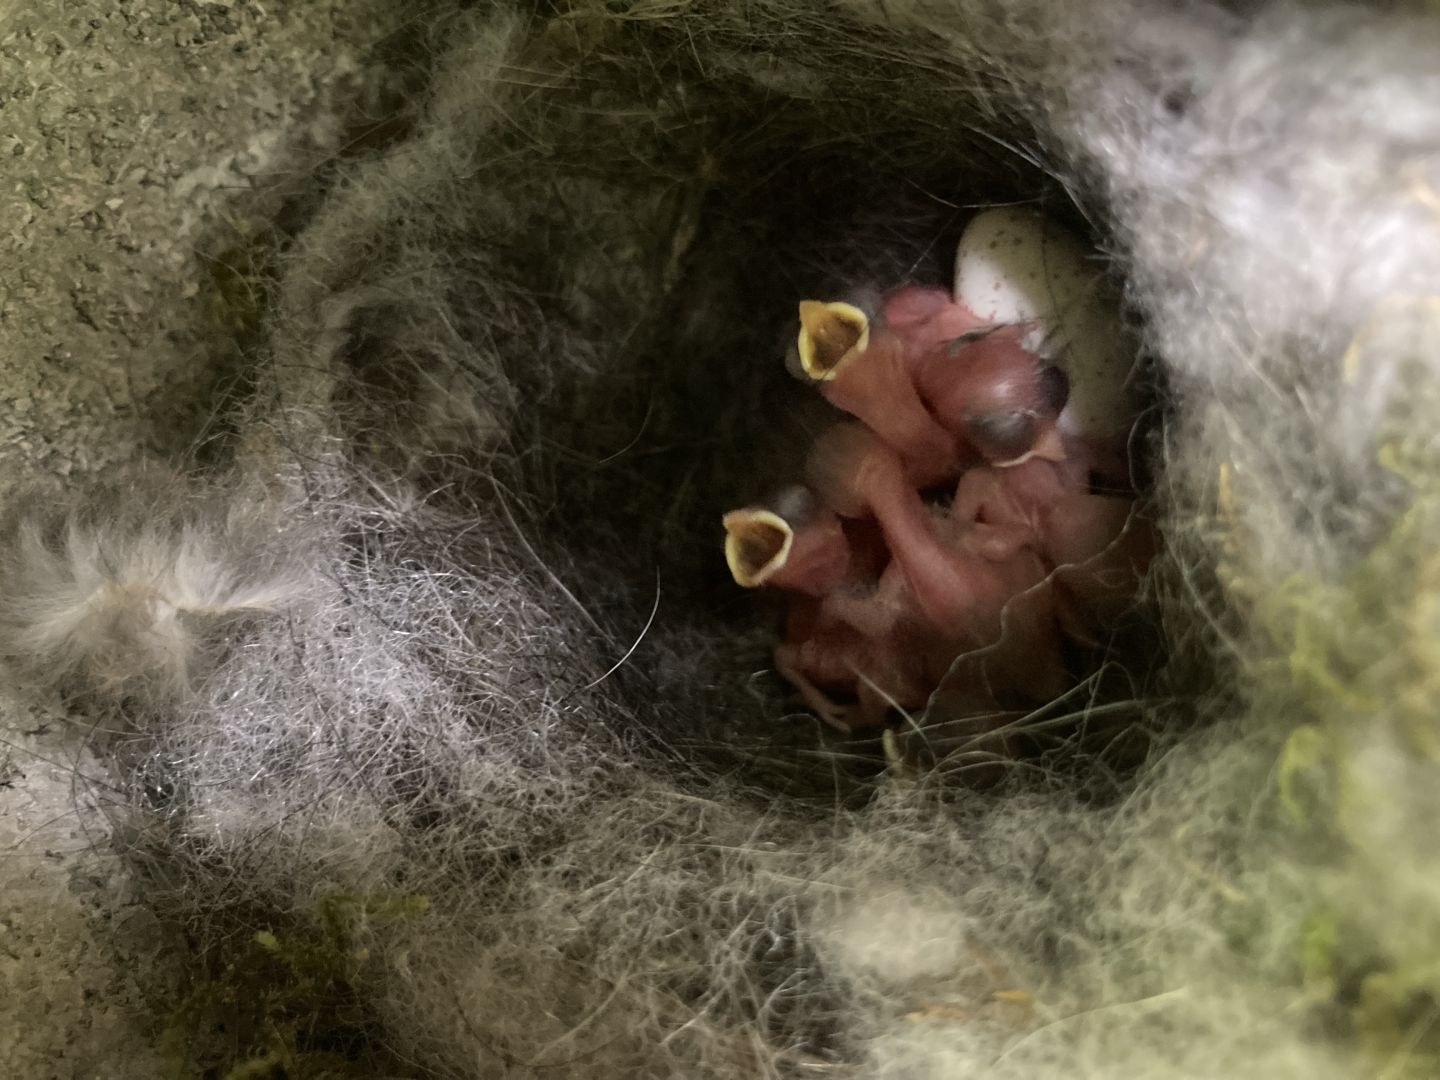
point(122, 593)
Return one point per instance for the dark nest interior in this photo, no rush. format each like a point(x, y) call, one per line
point(644, 218)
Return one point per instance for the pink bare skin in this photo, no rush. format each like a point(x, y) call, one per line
point(955, 586)
point(859, 475)
point(920, 379)
point(927, 316)
point(995, 396)
point(970, 614)
point(1006, 646)
point(823, 656)
point(977, 381)
point(825, 555)
point(1099, 548)
point(874, 382)
point(967, 373)
point(825, 552)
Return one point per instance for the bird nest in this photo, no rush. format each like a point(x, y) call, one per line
point(438, 720)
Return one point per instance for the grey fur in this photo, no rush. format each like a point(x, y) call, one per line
point(520, 356)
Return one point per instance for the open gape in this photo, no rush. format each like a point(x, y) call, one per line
point(438, 724)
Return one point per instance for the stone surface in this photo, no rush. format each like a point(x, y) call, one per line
point(137, 139)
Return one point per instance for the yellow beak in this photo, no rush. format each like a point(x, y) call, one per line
point(830, 334)
point(757, 545)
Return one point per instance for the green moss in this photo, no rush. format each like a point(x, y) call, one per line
point(1320, 937)
point(1302, 759)
point(1355, 669)
point(285, 1002)
point(1396, 1021)
point(235, 293)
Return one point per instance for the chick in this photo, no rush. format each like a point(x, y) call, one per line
point(865, 367)
point(857, 474)
point(792, 542)
point(1097, 545)
point(847, 677)
point(956, 585)
point(995, 396)
point(933, 381)
point(1014, 265)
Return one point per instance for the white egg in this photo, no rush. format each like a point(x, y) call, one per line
point(1015, 265)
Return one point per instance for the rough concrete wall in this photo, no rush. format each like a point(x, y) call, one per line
point(135, 136)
